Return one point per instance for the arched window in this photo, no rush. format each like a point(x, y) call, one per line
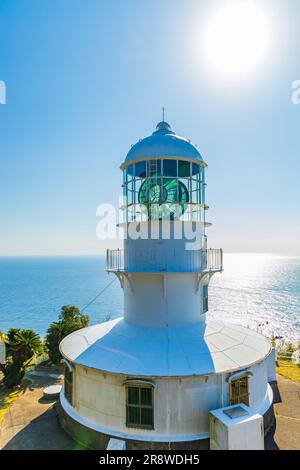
point(239, 388)
point(139, 404)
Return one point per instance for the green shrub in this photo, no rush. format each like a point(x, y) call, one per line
point(70, 319)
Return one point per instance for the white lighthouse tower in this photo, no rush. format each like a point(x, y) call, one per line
point(151, 377)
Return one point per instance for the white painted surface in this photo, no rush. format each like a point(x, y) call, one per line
point(130, 435)
point(272, 365)
point(53, 391)
point(160, 250)
point(243, 433)
point(159, 300)
point(116, 444)
point(164, 285)
point(181, 405)
point(203, 348)
point(163, 143)
point(181, 410)
point(266, 403)
point(2, 353)
point(258, 383)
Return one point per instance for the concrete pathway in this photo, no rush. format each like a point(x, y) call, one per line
point(31, 422)
point(285, 434)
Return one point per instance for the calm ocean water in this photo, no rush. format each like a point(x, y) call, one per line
point(253, 290)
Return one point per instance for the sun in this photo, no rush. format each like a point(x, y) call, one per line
point(237, 38)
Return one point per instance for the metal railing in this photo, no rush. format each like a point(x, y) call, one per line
point(214, 259)
point(210, 260)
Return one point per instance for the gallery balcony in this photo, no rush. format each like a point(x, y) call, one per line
point(210, 260)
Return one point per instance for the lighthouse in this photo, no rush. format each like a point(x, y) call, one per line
point(152, 377)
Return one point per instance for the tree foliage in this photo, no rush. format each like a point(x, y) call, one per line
point(3, 336)
point(21, 346)
point(69, 320)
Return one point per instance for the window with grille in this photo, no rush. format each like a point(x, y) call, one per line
point(68, 385)
point(139, 407)
point(239, 391)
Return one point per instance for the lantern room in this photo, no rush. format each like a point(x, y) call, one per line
point(163, 179)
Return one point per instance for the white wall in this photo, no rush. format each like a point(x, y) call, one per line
point(164, 252)
point(163, 299)
point(181, 406)
point(258, 383)
point(271, 364)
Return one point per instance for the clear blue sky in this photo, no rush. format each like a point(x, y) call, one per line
point(85, 79)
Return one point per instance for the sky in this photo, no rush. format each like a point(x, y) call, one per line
point(86, 79)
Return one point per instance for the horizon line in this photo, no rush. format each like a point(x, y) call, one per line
point(81, 255)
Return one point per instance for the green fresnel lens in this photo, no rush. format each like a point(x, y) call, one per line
point(170, 193)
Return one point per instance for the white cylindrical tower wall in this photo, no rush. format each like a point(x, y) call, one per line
point(172, 246)
point(163, 299)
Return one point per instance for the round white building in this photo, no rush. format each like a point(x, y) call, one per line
point(152, 376)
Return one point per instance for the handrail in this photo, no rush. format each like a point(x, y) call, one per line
point(210, 260)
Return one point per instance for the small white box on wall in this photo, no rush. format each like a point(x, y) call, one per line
point(235, 428)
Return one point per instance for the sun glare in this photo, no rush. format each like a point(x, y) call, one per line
point(237, 38)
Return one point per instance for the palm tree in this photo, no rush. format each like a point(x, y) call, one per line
point(21, 347)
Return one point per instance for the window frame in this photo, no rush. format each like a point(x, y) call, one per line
point(154, 170)
point(240, 397)
point(140, 386)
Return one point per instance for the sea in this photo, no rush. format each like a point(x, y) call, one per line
point(256, 290)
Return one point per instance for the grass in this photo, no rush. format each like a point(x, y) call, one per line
point(288, 370)
point(7, 397)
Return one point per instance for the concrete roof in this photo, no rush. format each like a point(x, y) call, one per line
point(199, 349)
point(163, 143)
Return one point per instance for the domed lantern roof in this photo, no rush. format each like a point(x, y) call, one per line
point(163, 143)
